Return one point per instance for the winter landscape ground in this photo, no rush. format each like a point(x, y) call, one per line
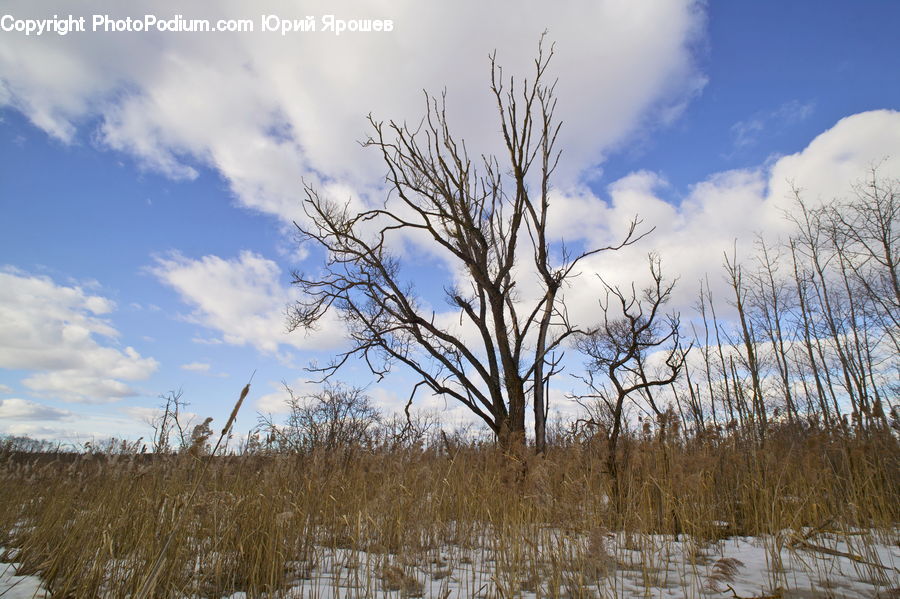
point(808, 514)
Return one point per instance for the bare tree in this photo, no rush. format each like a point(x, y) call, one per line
point(492, 223)
point(863, 232)
point(816, 331)
point(868, 232)
point(169, 420)
point(633, 327)
point(749, 361)
point(771, 300)
point(338, 416)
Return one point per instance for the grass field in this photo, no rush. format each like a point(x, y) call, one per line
point(808, 513)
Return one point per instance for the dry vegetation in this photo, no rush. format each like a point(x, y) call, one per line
point(398, 519)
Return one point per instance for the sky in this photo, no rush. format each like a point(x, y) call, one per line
point(149, 180)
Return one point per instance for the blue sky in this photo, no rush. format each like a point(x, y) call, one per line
point(148, 180)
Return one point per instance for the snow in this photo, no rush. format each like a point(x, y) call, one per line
point(19, 587)
point(788, 565)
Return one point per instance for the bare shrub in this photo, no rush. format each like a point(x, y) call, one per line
point(338, 416)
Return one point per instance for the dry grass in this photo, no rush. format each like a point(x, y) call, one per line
point(94, 526)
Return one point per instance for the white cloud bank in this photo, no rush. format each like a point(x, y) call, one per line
point(264, 109)
point(60, 333)
point(23, 409)
point(693, 236)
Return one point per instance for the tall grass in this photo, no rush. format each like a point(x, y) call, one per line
point(396, 519)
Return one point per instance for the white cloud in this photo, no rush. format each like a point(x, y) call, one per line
point(693, 236)
point(76, 429)
point(276, 401)
point(243, 300)
point(23, 409)
point(264, 110)
point(745, 133)
point(56, 331)
point(5, 389)
point(73, 385)
point(835, 159)
point(35, 430)
point(144, 414)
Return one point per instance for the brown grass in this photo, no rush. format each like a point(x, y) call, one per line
point(258, 523)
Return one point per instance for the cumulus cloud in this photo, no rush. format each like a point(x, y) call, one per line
point(719, 214)
point(243, 300)
point(837, 158)
point(693, 235)
point(23, 409)
point(144, 416)
point(264, 109)
point(62, 335)
point(45, 423)
point(35, 430)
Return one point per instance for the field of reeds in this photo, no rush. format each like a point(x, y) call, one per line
point(818, 509)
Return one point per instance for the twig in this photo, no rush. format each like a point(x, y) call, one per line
point(777, 594)
point(13, 585)
point(802, 544)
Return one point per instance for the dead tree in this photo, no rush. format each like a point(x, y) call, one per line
point(489, 217)
point(634, 326)
point(170, 419)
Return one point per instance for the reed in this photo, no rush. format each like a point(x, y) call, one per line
point(412, 520)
